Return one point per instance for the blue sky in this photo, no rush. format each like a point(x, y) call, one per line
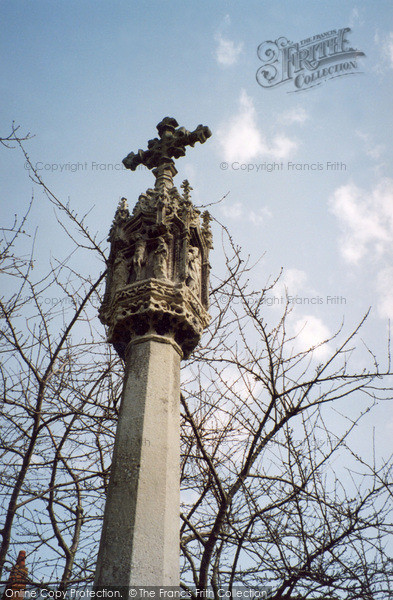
point(92, 79)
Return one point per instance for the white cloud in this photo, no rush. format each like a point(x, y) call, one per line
point(385, 44)
point(258, 217)
point(290, 285)
point(227, 52)
point(295, 115)
point(294, 286)
point(240, 383)
point(233, 211)
point(242, 141)
point(281, 147)
point(311, 331)
point(366, 220)
point(237, 211)
point(240, 138)
point(372, 149)
point(294, 280)
point(384, 289)
point(356, 18)
point(389, 48)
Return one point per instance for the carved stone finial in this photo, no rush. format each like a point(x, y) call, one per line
point(206, 230)
point(206, 218)
point(122, 211)
point(186, 190)
point(123, 204)
point(171, 144)
point(122, 214)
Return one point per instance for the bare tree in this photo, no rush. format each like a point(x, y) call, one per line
point(14, 138)
point(60, 391)
point(263, 505)
point(264, 501)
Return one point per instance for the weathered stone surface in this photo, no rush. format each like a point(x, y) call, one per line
point(158, 269)
point(140, 536)
point(155, 309)
point(171, 144)
point(155, 306)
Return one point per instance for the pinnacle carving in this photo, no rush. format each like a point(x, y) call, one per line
point(186, 190)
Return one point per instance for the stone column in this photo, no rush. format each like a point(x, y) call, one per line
point(140, 536)
point(155, 309)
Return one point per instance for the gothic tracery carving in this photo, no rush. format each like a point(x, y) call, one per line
point(159, 262)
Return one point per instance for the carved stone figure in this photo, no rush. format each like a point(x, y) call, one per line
point(120, 271)
point(193, 280)
point(138, 260)
point(161, 260)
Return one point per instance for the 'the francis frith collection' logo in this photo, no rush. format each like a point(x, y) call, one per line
point(307, 63)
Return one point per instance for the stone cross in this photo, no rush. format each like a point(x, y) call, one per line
point(155, 309)
point(171, 144)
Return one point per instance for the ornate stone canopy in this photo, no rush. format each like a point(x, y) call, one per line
point(158, 268)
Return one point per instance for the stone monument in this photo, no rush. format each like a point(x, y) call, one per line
point(155, 309)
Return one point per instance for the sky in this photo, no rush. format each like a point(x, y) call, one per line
point(306, 171)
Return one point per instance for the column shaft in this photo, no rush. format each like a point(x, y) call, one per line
point(140, 536)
